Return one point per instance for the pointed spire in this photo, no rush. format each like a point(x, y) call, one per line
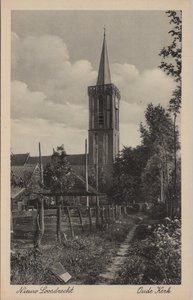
point(104, 76)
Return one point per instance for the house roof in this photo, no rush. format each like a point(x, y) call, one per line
point(35, 160)
point(23, 171)
point(78, 189)
point(16, 192)
point(80, 186)
point(19, 159)
point(75, 159)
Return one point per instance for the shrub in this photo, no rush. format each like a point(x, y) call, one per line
point(156, 259)
point(158, 211)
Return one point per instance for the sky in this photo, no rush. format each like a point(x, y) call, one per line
point(55, 57)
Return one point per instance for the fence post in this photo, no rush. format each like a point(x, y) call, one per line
point(59, 215)
point(97, 216)
point(39, 224)
point(116, 212)
point(90, 218)
point(125, 210)
point(80, 217)
point(109, 213)
point(113, 213)
point(70, 221)
point(120, 215)
point(103, 214)
point(106, 214)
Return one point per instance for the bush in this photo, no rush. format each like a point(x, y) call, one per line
point(136, 207)
point(142, 232)
point(156, 259)
point(158, 211)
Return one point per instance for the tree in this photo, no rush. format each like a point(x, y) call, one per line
point(127, 174)
point(59, 178)
point(172, 65)
point(157, 138)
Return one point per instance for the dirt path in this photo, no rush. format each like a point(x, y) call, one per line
point(110, 274)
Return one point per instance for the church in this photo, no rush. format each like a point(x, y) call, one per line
point(103, 134)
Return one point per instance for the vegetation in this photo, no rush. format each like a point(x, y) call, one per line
point(84, 257)
point(172, 65)
point(154, 258)
point(58, 175)
point(147, 173)
point(151, 172)
point(127, 175)
point(59, 178)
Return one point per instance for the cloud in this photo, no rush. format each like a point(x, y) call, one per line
point(43, 63)
point(49, 93)
point(130, 135)
point(49, 134)
point(131, 112)
point(33, 105)
point(142, 87)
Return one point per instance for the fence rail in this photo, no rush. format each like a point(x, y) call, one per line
point(71, 219)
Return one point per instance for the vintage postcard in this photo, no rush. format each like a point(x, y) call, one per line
point(96, 150)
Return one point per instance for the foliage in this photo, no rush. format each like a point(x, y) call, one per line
point(157, 136)
point(171, 54)
point(157, 211)
point(126, 178)
point(158, 131)
point(155, 260)
point(172, 65)
point(58, 175)
point(84, 257)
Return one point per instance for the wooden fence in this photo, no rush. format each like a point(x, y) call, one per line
point(76, 219)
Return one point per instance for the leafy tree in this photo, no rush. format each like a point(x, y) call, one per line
point(58, 175)
point(157, 137)
point(59, 178)
point(172, 65)
point(127, 174)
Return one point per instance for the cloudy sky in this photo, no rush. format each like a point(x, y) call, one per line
point(55, 57)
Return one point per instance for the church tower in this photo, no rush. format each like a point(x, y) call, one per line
point(103, 133)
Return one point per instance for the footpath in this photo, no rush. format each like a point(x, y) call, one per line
point(111, 272)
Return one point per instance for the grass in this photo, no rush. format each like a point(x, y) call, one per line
point(84, 257)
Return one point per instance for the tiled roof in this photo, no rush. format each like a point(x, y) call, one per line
point(23, 171)
point(35, 159)
point(80, 186)
point(78, 189)
point(19, 159)
point(76, 159)
point(16, 192)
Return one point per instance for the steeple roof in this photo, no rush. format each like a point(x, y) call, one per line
point(104, 76)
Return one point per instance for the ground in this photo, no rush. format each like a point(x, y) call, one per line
point(151, 256)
